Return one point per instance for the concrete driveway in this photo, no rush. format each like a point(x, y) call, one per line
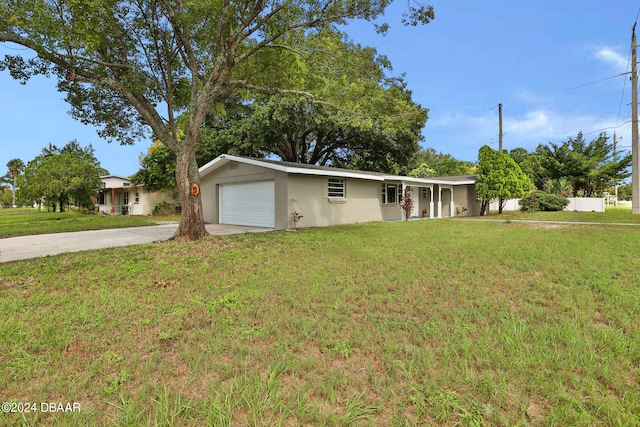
point(25, 247)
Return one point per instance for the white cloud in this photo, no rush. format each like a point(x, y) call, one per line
point(611, 56)
point(527, 130)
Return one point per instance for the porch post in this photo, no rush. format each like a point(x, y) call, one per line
point(113, 201)
point(402, 214)
point(451, 204)
point(439, 201)
point(431, 202)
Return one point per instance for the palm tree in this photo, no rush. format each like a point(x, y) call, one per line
point(16, 166)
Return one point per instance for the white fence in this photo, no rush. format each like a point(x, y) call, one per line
point(578, 204)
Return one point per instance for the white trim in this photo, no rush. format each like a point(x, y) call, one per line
point(226, 158)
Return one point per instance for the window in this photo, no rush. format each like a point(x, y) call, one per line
point(336, 188)
point(125, 198)
point(137, 199)
point(126, 184)
point(426, 192)
point(391, 193)
point(101, 198)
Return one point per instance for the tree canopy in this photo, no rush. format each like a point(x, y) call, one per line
point(499, 177)
point(574, 167)
point(429, 162)
point(157, 169)
point(588, 167)
point(132, 67)
point(61, 176)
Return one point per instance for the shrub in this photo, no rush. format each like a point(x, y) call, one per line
point(164, 209)
point(540, 201)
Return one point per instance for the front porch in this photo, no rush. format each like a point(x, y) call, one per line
point(115, 201)
point(431, 200)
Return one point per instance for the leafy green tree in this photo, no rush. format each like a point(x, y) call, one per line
point(499, 177)
point(157, 169)
point(5, 190)
point(429, 162)
point(530, 165)
point(370, 122)
point(589, 167)
point(15, 166)
point(561, 186)
point(120, 62)
point(624, 191)
point(62, 175)
point(422, 171)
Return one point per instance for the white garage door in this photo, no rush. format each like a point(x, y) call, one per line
point(248, 203)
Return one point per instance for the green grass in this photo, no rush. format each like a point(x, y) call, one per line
point(611, 215)
point(422, 323)
point(24, 221)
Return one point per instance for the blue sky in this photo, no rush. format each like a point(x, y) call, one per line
point(526, 54)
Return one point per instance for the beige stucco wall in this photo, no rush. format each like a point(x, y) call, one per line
point(148, 200)
point(308, 196)
point(235, 172)
point(146, 204)
point(471, 200)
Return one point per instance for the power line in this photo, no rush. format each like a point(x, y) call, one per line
point(592, 83)
point(624, 85)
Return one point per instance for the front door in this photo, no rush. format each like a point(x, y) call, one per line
point(415, 196)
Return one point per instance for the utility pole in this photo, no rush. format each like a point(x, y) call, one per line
point(500, 200)
point(500, 124)
point(635, 170)
point(615, 159)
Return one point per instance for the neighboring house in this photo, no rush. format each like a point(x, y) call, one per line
point(118, 196)
point(267, 193)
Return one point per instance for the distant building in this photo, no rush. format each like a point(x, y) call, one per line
point(118, 196)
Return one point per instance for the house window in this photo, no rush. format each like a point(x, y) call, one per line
point(336, 187)
point(101, 198)
point(125, 198)
point(391, 193)
point(426, 192)
point(137, 199)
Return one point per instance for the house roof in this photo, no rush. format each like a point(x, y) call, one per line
point(306, 169)
point(121, 178)
point(124, 178)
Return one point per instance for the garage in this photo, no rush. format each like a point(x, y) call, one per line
point(248, 203)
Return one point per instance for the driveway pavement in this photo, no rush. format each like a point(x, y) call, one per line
point(25, 247)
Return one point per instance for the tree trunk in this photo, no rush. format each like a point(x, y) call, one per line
point(14, 191)
point(188, 183)
point(484, 208)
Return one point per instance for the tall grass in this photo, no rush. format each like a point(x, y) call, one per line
point(420, 323)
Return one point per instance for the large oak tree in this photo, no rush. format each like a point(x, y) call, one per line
point(132, 67)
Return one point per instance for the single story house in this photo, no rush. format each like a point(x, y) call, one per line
point(267, 193)
point(118, 196)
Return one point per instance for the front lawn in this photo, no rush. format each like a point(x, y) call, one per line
point(422, 323)
point(25, 221)
point(611, 215)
